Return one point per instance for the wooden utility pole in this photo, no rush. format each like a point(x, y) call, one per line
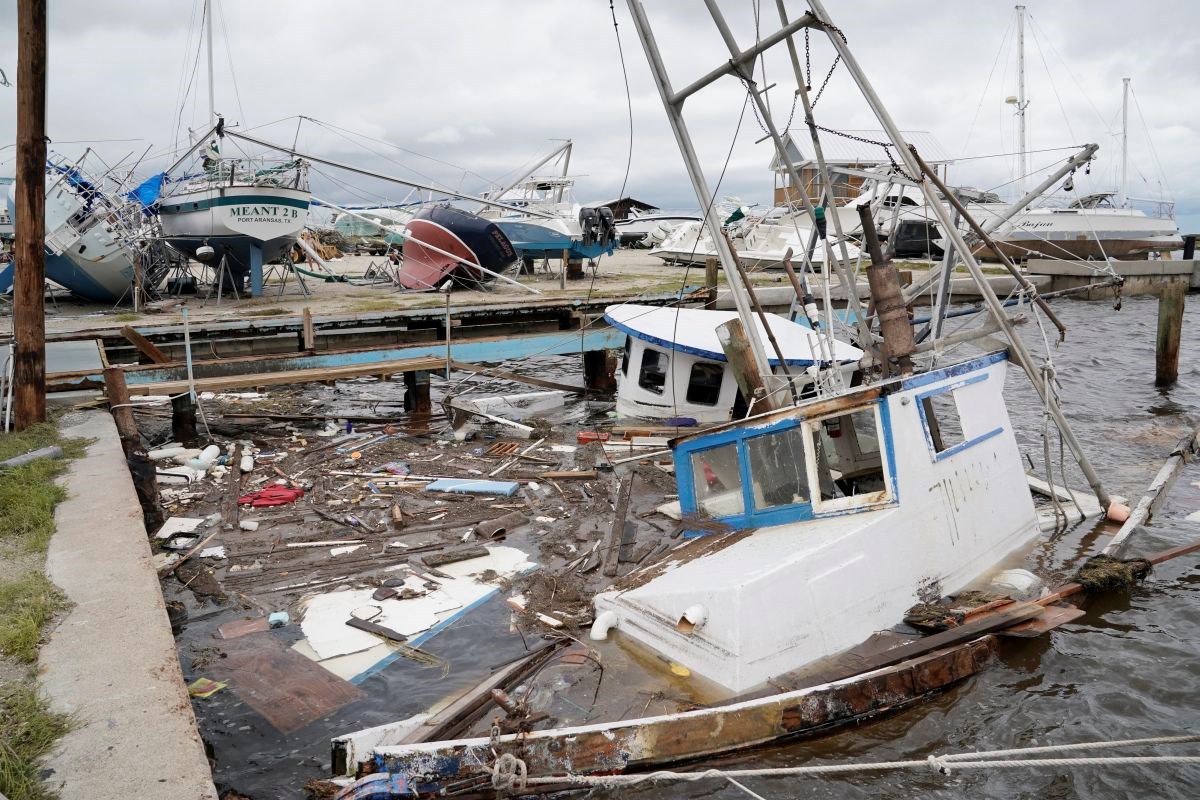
point(736, 346)
point(29, 278)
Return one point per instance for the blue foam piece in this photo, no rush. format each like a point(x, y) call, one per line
point(464, 486)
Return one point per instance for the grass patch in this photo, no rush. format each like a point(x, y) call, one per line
point(27, 732)
point(29, 494)
point(127, 316)
point(375, 305)
point(26, 605)
point(267, 312)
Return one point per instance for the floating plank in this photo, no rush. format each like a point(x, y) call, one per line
point(1054, 616)
point(479, 486)
point(286, 689)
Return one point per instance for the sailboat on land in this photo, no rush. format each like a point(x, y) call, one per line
point(92, 233)
point(242, 212)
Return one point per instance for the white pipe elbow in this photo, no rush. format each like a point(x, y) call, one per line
point(604, 622)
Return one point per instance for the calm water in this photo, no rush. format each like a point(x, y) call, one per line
point(1127, 669)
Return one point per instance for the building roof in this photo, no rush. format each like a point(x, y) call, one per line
point(842, 151)
point(694, 330)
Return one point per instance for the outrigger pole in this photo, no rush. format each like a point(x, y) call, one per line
point(911, 163)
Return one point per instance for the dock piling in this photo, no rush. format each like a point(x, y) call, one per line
point(600, 371)
point(416, 392)
point(1171, 300)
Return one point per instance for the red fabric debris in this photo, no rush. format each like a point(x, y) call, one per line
point(271, 496)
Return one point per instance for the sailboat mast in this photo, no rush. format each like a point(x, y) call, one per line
point(1022, 155)
point(1122, 195)
point(208, 35)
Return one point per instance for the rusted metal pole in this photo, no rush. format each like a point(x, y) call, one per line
point(884, 281)
point(29, 277)
point(1171, 299)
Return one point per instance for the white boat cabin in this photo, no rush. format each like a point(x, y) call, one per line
point(673, 365)
point(840, 513)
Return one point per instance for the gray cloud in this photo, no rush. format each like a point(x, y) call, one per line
point(488, 85)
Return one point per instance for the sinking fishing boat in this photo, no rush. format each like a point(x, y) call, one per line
point(673, 364)
point(442, 242)
point(809, 533)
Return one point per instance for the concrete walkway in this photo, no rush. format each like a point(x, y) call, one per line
point(111, 662)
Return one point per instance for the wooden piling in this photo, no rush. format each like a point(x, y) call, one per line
point(710, 282)
point(141, 468)
point(29, 277)
point(308, 339)
point(575, 269)
point(1171, 300)
point(600, 371)
point(183, 418)
point(736, 347)
point(416, 392)
point(884, 282)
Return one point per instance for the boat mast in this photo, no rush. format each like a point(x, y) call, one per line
point(1022, 155)
point(1018, 348)
point(212, 112)
point(1122, 195)
point(673, 105)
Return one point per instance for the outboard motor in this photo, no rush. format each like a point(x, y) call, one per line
point(608, 226)
point(589, 224)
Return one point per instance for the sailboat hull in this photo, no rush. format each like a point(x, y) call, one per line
point(234, 219)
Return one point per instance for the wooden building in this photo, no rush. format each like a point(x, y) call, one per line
point(842, 153)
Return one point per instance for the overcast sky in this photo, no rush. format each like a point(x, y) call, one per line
point(480, 89)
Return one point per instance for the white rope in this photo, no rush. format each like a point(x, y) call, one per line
point(510, 771)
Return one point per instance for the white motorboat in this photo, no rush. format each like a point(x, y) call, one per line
point(673, 365)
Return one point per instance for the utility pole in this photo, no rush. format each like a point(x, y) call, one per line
point(29, 278)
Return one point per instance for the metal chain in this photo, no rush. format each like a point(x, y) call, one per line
point(837, 59)
point(887, 147)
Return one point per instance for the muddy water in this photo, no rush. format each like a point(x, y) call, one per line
point(1129, 668)
point(1126, 669)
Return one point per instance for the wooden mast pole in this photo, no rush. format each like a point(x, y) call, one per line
point(29, 278)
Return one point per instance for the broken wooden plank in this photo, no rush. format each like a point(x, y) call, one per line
point(144, 345)
point(612, 543)
point(570, 475)
point(243, 627)
point(1156, 493)
point(1054, 617)
point(454, 556)
point(378, 630)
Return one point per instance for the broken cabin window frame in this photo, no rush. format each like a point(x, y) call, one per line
point(752, 516)
point(666, 371)
point(704, 363)
point(967, 442)
point(887, 454)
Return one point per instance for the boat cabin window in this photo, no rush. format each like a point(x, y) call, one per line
point(653, 374)
point(778, 475)
point(943, 426)
point(717, 481)
point(847, 463)
point(628, 353)
point(704, 383)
